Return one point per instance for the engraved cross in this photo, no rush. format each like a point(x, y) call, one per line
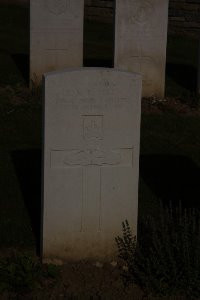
point(91, 159)
point(143, 62)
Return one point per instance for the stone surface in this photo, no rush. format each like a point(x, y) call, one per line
point(140, 41)
point(56, 36)
point(91, 158)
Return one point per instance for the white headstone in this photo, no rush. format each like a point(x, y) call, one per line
point(56, 36)
point(141, 40)
point(91, 158)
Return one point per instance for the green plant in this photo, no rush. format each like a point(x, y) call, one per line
point(165, 260)
point(51, 271)
point(22, 272)
point(19, 272)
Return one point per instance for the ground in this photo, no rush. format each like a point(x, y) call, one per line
point(86, 280)
point(81, 280)
point(156, 105)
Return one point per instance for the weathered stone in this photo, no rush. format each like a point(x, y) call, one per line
point(91, 161)
point(56, 36)
point(141, 40)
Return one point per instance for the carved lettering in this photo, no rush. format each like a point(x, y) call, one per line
point(57, 7)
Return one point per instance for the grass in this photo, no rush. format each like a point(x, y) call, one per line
point(165, 260)
point(170, 140)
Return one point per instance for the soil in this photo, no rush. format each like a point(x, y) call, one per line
point(82, 280)
point(95, 281)
point(189, 107)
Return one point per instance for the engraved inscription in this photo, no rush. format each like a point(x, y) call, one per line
point(85, 100)
point(93, 104)
point(57, 7)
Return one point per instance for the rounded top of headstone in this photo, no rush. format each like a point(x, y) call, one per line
point(98, 70)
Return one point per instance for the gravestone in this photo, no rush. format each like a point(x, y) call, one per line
point(91, 157)
point(141, 40)
point(56, 36)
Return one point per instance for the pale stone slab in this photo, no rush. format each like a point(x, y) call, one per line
point(56, 36)
point(91, 158)
point(141, 40)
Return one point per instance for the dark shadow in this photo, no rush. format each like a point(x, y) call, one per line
point(27, 164)
point(98, 38)
point(22, 63)
point(98, 63)
point(172, 178)
point(184, 75)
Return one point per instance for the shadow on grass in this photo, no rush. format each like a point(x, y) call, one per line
point(172, 178)
point(184, 75)
point(22, 63)
point(27, 164)
point(106, 63)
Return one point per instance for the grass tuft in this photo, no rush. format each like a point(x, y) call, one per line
point(19, 273)
point(23, 273)
point(165, 260)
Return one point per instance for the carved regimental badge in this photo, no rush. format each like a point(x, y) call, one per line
point(143, 11)
point(57, 7)
point(92, 129)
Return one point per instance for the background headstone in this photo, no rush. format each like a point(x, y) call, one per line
point(141, 40)
point(91, 158)
point(56, 35)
